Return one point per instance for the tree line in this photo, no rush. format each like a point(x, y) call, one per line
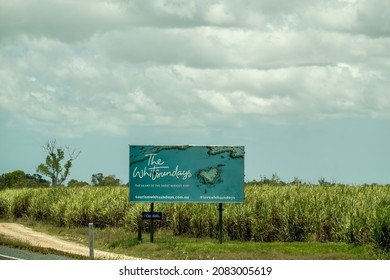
point(59, 161)
point(20, 179)
point(56, 169)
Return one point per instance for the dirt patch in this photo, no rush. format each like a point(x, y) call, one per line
point(27, 235)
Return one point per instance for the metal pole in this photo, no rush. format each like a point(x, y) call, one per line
point(91, 241)
point(139, 223)
point(220, 209)
point(151, 223)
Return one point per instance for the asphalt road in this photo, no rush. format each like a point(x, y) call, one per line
point(8, 253)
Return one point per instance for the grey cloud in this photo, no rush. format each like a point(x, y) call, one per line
point(374, 18)
point(169, 64)
point(195, 47)
point(64, 20)
point(78, 21)
point(209, 47)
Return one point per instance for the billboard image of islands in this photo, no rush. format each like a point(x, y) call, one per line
point(185, 173)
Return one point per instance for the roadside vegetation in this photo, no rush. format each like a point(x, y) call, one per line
point(274, 217)
point(167, 246)
point(278, 220)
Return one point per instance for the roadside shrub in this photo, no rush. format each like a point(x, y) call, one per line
point(3, 207)
point(381, 230)
point(351, 214)
point(19, 202)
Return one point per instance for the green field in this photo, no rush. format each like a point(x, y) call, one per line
point(270, 218)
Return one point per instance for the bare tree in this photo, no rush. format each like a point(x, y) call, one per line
point(53, 166)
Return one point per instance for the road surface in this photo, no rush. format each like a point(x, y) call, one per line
point(7, 253)
point(29, 236)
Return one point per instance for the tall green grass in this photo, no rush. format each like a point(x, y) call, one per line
point(349, 214)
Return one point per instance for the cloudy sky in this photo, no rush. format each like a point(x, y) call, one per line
point(303, 85)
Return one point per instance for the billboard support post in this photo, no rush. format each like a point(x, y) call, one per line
point(151, 223)
point(139, 223)
point(220, 209)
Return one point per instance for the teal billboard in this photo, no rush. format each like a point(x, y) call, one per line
point(186, 173)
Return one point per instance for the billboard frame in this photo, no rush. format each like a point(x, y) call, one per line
point(186, 173)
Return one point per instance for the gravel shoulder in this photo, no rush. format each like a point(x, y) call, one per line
point(39, 239)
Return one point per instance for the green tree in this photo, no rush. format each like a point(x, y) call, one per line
point(19, 179)
point(54, 168)
point(76, 183)
point(99, 179)
point(12, 179)
point(111, 180)
point(36, 180)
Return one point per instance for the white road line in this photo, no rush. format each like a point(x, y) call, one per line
point(9, 257)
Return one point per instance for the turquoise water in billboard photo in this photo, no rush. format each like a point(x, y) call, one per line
point(186, 173)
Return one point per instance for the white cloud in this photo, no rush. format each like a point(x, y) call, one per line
point(334, 16)
point(192, 64)
point(219, 14)
point(243, 103)
point(181, 9)
point(65, 20)
point(82, 68)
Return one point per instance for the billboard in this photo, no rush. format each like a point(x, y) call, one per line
point(186, 173)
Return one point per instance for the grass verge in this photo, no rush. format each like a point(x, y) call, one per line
point(166, 246)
